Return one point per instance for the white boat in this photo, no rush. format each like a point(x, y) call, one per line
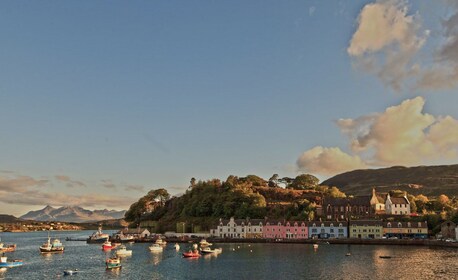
point(122, 251)
point(315, 246)
point(208, 250)
point(161, 242)
point(156, 248)
point(127, 238)
point(204, 243)
point(177, 246)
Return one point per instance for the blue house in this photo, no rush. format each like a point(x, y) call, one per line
point(328, 229)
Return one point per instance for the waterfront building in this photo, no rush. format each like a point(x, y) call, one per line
point(285, 230)
point(274, 229)
point(369, 229)
point(448, 230)
point(378, 202)
point(240, 228)
point(136, 233)
point(346, 208)
point(405, 229)
point(397, 205)
point(328, 229)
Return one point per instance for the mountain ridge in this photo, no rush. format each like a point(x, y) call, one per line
point(426, 180)
point(74, 214)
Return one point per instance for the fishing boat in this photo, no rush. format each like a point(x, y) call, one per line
point(52, 247)
point(177, 246)
point(8, 248)
point(98, 236)
point(156, 248)
point(191, 254)
point(113, 263)
point(123, 252)
point(70, 271)
point(204, 243)
point(5, 263)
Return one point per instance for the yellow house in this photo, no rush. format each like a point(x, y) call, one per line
point(369, 229)
point(406, 229)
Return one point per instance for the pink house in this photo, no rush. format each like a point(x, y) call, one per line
point(285, 230)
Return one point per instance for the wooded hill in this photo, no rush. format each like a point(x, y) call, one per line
point(251, 196)
point(427, 180)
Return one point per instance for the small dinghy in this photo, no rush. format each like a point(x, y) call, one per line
point(70, 272)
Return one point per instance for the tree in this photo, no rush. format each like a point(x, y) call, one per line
point(413, 205)
point(192, 182)
point(159, 195)
point(304, 181)
point(335, 192)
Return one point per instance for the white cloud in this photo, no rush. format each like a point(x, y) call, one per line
point(328, 161)
point(401, 135)
point(386, 40)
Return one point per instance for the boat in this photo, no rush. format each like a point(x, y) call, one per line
point(107, 245)
point(52, 247)
point(208, 250)
point(98, 236)
point(191, 254)
point(70, 272)
point(204, 243)
point(5, 263)
point(156, 248)
point(177, 246)
point(348, 254)
point(161, 242)
point(315, 246)
point(113, 263)
point(385, 257)
point(122, 251)
point(8, 248)
point(127, 238)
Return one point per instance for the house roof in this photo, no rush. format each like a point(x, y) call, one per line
point(399, 200)
point(353, 201)
point(328, 223)
point(366, 222)
point(395, 224)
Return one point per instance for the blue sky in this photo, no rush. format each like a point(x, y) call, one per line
point(122, 97)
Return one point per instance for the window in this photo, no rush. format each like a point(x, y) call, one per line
point(399, 225)
point(341, 230)
point(331, 225)
point(340, 225)
point(331, 230)
point(314, 230)
point(388, 225)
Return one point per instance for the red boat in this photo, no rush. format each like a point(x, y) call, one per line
point(191, 254)
point(107, 245)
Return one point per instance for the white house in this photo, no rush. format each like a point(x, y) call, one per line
point(240, 228)
point(397, 205)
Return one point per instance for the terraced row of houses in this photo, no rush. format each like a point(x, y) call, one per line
point(274, 229)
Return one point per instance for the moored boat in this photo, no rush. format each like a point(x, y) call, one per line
point(204, 243)
point(98, 236)
point(191, 254)
point(177, 246)
point(113, 262)
point(52, 247)
point(107, 245)
point(70, 271)
point(8, 248)
point(123, 252)
point(208, 250)
point(5, 263)
point(156, 248)
point(161, 242)
point(315, 246)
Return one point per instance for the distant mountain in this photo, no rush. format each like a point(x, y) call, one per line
point(427, 180)
point(72, 214)
point(7, 219)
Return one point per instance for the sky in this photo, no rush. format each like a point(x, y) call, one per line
point(102, 101)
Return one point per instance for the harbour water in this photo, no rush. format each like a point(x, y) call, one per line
point(238, 261)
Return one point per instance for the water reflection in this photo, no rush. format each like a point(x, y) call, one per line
point(156, 257)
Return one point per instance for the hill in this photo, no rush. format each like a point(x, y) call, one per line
point(240, 197)
point(427, 180)
point(8, 219)
point(72, 214)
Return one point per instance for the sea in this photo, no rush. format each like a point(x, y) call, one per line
point(237, 261)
